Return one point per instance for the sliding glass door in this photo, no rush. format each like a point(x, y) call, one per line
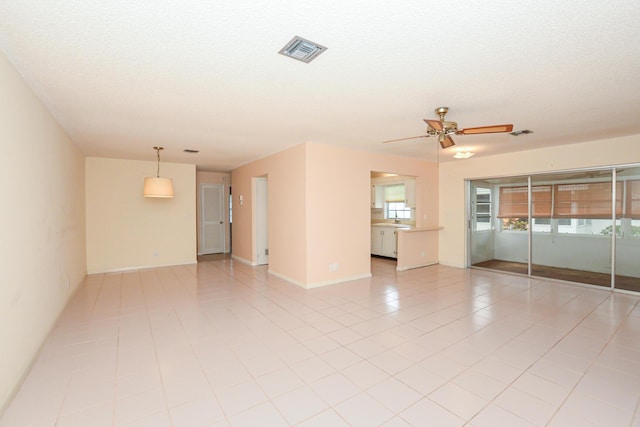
point(572, 242)
point(498, 224)
point(568, 226)
point(627, 235)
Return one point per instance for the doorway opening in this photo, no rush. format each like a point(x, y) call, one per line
point(393, 207)
point(261, 218)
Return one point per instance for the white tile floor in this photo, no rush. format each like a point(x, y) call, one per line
point(224, 344)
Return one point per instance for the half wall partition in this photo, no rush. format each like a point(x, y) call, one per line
point(580, 226)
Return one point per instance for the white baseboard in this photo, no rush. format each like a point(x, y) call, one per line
point(137, 267)
point(411, 267)
point(319, 284)
point(243, 260)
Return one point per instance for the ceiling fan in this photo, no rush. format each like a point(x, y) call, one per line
point(443, 129)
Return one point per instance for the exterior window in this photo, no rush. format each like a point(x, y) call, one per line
point(586, 200)
point(397, 210)
point(541, 225)
point(483, 209)
point(514, 207)
point(587, 226)
point(394, 202)
point(517, 224)
point(569, 208)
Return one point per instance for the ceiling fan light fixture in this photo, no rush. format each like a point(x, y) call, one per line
point(443, 128)
point(446, 141)
point(485, 129)
point(463, 154)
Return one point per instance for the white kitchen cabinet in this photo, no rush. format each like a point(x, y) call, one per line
point(410, 193)
point(390, 243)
point(376, 240)
point(377, 196)
point(384, 241)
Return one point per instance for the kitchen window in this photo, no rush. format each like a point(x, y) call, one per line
point(397, 210)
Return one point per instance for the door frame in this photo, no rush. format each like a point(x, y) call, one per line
point(223, 223)
point(261, 208)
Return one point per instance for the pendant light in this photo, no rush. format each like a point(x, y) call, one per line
point(156, 186)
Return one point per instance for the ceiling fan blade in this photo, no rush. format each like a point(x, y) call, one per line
point(404, 139)
point(485, 129)
point(446, 141)
point(435, 124)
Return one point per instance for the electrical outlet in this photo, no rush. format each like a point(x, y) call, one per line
point(334, 266)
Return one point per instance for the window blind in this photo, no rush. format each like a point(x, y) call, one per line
point(586, 200)
point(394, 193)
point(514, 202)
point(633, 199)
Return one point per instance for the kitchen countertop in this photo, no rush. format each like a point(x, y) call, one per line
point(406, 227)
point(391, 224)
point(412, 230)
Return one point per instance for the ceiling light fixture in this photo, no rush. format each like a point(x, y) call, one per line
point(302, 49)
point(463, 154)
point(156, 186)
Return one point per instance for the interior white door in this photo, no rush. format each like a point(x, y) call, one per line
point(211, 219)
point(262, 236)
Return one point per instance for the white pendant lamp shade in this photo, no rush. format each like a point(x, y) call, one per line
point(158, 187)
point(155, 186)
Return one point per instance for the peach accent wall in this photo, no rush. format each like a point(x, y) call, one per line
point(453, 244)
point(126, 230)
point(42, 241)
point(285, 172)
point(417, 248)
point(319, 210)
point(213, 178)
point(338, 214)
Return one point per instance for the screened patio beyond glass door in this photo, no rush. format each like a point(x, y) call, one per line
point(559, 226)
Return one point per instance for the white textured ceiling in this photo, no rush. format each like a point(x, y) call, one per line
point(123, 76)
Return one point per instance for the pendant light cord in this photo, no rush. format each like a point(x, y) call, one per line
point(158, 153)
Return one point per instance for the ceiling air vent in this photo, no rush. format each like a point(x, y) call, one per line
point(302, 49)
point(521, 132)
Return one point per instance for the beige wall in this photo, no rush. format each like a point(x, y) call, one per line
point(126, 230)
point(42, 240)
point(213, 178)
point(319, 210)
point(453, 174)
